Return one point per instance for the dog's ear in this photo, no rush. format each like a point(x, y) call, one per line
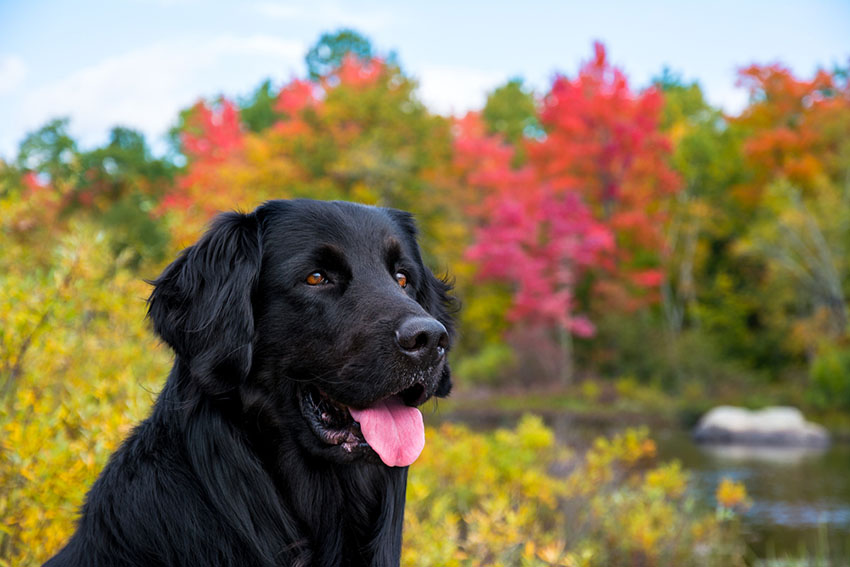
point(201, 304)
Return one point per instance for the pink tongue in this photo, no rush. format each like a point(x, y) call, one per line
point(394, 430)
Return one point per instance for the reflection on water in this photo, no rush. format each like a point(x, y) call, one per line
point(800, 497)
point(780, 456)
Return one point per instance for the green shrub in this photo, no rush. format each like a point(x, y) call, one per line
point(830, 378)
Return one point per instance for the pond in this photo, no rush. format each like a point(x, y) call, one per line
point(800, 498)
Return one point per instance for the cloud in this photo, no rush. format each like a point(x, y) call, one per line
point(277, 11)
point(327, 15)
point(455, 90)
point(13, 71)
point(145, 88)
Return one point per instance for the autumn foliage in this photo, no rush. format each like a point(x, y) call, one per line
point(631, 234)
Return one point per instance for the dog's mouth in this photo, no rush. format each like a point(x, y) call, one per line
point(392, 427)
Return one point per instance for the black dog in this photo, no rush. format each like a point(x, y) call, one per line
point(286, 322)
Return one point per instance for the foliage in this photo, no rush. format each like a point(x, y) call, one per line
point(580, 223)
point(257, 112)
point(830, 387)
point(637, 236)
point(543, 244)
point(604, 141)
point(116, 185)
point(326, 56)
point(511, 112)
point(513, 497)
point(78, 366)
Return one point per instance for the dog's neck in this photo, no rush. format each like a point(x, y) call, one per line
point(356, 515)
point(340, 514)
point(354, 512)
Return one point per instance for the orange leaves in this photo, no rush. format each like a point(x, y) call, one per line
point(798, 129)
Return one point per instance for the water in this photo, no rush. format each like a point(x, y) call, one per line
point(800, 497)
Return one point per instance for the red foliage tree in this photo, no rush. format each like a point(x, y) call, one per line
point(604, 142)
point(539, 240)
point(211, 138)
point(590, 197)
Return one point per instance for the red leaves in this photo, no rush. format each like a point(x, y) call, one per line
point(296, 96)
point(356, 72)
point(31, 183)
point(543, 243)
point(590, 199)
point(212, 133)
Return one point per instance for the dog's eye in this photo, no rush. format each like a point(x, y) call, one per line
point(317, 278)
point(401, 279)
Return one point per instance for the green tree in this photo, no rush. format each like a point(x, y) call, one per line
point(327, 54)
point(50, 150)
point(511, 111)
point(257, 111)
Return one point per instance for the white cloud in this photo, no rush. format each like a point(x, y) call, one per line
point(455, 90)
point(277, 11)
point(13, 71)
point(145, 88)
point(327, 15)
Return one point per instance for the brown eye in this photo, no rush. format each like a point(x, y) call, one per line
point(317, 278)
point(401, 279)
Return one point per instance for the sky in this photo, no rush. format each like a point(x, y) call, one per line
point(136, 63)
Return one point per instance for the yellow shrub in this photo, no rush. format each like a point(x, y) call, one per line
point(495, 499)
point(78, 367)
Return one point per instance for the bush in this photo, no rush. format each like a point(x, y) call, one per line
point(78, 366)
point(830, 378)
point(640, 347)
point(514, 497)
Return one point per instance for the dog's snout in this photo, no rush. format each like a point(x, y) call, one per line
point(422, 337)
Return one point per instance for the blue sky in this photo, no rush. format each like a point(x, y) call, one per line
point(137, 62)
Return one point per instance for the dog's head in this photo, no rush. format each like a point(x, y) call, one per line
point(320, 313)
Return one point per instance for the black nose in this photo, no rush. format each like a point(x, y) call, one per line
point(422, 338)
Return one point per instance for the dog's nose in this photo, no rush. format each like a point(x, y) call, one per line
point(422, 338)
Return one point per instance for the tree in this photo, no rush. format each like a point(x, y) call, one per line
point(118, 184)
point(707, 156)
point(538, 241)
point(49, 151)
point(257, 112)
point(798, 149)
point(511, 111)
point(604, 142)
point(581, 224)
point(327, 55)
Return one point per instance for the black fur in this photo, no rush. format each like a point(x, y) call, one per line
point(227, 470)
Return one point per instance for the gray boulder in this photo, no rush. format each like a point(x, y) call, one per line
point(772, 426)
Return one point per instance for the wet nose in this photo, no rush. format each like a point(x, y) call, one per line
point(422, 338)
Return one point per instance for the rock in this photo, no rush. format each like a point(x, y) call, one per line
point(773, 426)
